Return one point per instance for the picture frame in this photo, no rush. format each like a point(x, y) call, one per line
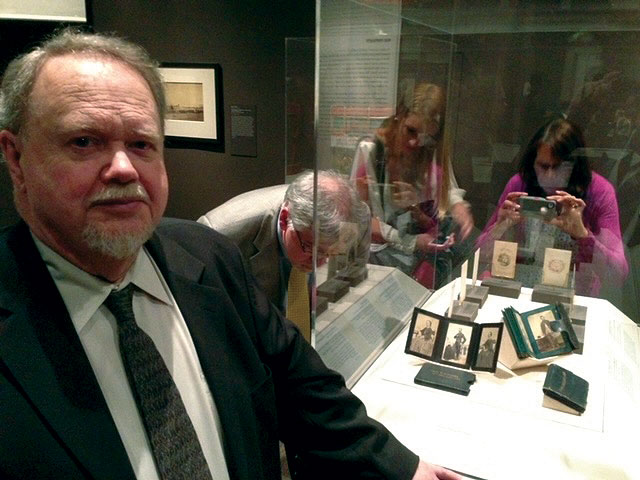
point(72, 11)
point(556, 269)
point(490, 336)
point(457, 344)
point(541, 333)
point(433, 337)
point(194, 115)
point(545, 340)
point(423, 333)
point(503, 263)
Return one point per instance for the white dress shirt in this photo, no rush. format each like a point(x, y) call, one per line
point(158, 315)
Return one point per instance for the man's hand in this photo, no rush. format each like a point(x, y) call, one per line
point(427, 471)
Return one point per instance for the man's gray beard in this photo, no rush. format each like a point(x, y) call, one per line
point(118, 245)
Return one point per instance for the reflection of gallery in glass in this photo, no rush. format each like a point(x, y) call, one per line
point(452, 342)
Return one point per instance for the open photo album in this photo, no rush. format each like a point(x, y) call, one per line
point(541, 333)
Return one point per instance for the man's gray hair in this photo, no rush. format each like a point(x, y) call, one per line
point(337, 204)
point(20, 75)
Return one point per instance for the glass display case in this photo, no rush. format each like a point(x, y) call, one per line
point(443, 114)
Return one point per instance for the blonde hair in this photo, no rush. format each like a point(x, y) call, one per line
point(427, 101)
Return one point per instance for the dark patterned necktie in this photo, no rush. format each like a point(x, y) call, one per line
point(174, 443)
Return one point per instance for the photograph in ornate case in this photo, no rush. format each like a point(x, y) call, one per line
point(503, 263)
point(487, 355)
point(557, 265)
point(451, 342)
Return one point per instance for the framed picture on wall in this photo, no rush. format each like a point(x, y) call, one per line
point(37, 10)
point(194, 106)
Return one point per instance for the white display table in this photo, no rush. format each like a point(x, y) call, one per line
point(501, 430)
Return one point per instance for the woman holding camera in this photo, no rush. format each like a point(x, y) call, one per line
point(585, 221)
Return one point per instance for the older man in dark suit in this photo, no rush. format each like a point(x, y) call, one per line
point(132, 347)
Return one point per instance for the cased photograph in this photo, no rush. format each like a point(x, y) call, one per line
point(422, 334)
point(503, 263)
point(546, 337)
point(556, 270)
point(488, 347)
point(457, 343)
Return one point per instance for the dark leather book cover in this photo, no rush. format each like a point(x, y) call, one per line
point(518, 334)
point(567, 326)
point(566, 387)
point(445, 378)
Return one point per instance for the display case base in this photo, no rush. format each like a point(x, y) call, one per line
point(353, 274)
point(503, 287)
point(549, 294)
point(477, 295)
point(321, 305)
point(508, 357)
point(333, 289)
point(464, 311)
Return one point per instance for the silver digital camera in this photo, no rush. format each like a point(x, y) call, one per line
point(538, 207)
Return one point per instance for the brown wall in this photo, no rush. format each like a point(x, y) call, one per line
point(247, 38)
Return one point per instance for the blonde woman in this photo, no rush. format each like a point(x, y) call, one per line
point(404, 174)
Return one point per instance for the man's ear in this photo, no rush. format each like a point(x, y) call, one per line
point(284, 217)
point(11, 148)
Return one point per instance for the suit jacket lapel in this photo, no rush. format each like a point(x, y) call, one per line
point(207, 312)
point(40, 347)
point(268, 255)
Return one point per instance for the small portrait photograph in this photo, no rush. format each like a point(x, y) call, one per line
point(423, 333)
point(457, 343)
point(546, 331)
point(488, 347)
point(557, 264)
point(504, 259)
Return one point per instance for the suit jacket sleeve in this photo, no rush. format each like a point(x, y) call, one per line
point(315, 411)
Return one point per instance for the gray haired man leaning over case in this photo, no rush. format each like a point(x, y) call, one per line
point(273, 226)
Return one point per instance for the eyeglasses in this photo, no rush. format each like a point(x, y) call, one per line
point(307, 247)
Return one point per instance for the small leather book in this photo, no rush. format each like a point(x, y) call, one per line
point(445, 378)
point(567, 388)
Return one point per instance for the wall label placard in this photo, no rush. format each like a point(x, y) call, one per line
point(243, 130)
